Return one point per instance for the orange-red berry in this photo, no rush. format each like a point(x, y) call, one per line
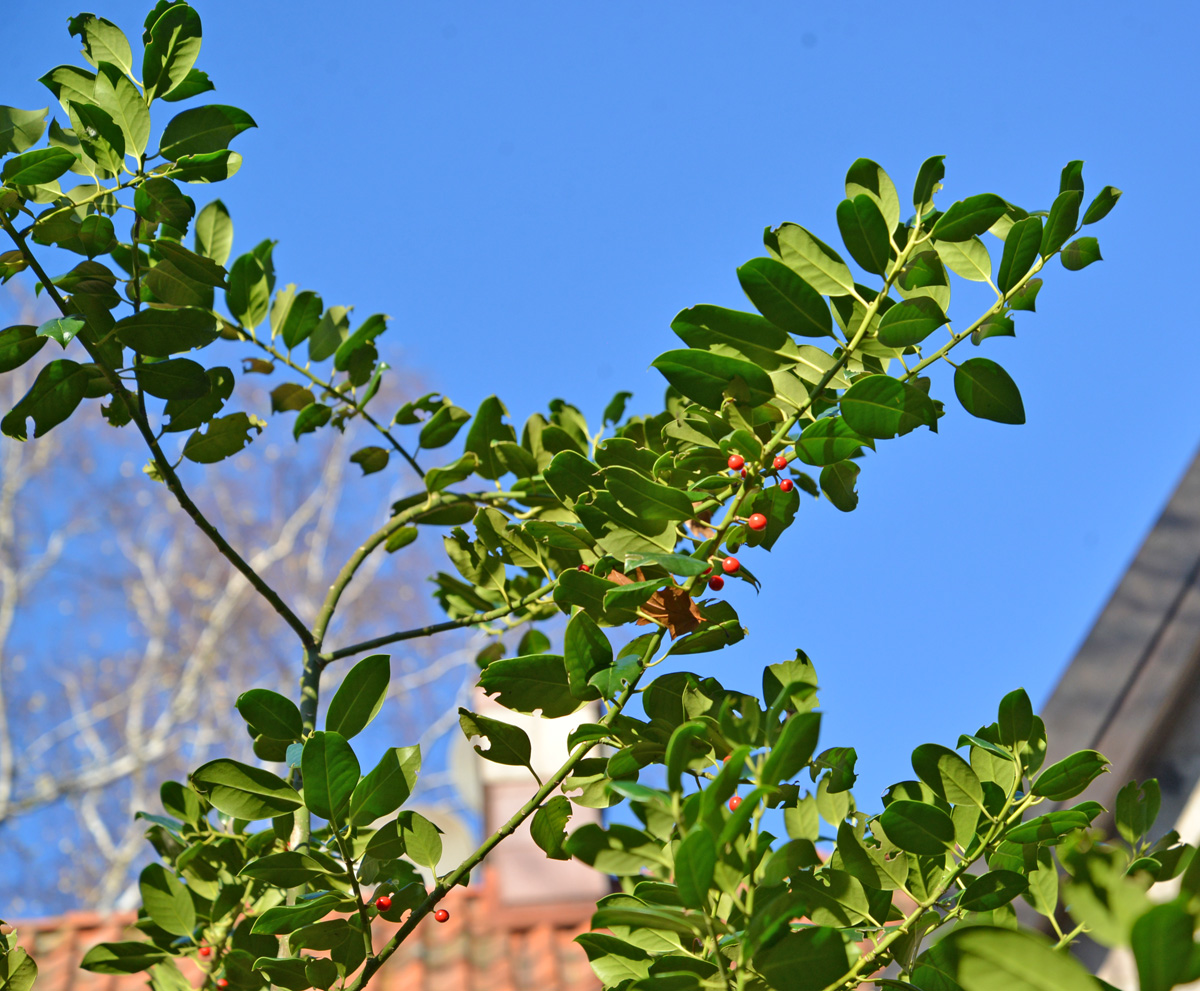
point(584, 567)
point(787, 485)
point(757, 521)
point(222, 982)
point(441, 915)
point(730, 565)
point(744, 475)
point(734, 803)
point(383, 903)
point(716, 583)
point(735, 462)
point(206, 951)
point(780, 462)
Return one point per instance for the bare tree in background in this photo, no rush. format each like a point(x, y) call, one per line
point(144, 653)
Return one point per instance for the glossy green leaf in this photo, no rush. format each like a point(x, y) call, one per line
point(1162, 947)
point(752, 337)
point(813, 260)
point(1080, 253)
point(20, 129)
point(271, 714)
point(160, 201)
point(918, 828)
point(331, 772)
point(548, 827)
point(99, 135)
point(56, 392)
point(173, 42)
point(243, 791)
point(674, 564)
point(506, 744)
point(968, 258)
point(387, 786)
point(991, 890)
point(970, 217)
point(1069, 776)
point(122, 101)
point(707, 378)
point(807, 959)
point(838, 484)
point(36, 167)
point(166, 901)
point(487, 428)
point(69, 82)
point(947, 774)
point(721, 628)
point(61, 329)
point(102, 41)
point(224, 437)
point(360, 696)
point(213, 232)
point(883, 407)
point(784, 298)
point(586, 652)
point(1021, 249)
point(175, 378)
point(793, 749)
point(910, 322)
point(1015, 719)
point(1062, 222)
point(121, 958)
point(695, 861)
point(362, 338)
point(865, 177)
point(311, 418)
point(1136, 809)
point(289, 869)
point(865, 233)
point(203, 129)
point(421, 838)
point(187, 414)
point(193, 84)
point(614, 960)
point(1048, 828)
point(17, 345)
point(371, 459)
point(571, 476)
point(986, 958)
point(929, 181)
point(1099, 208)
point(298, 315)
point(162, 333)
point(213, 166)
point(986, 390)
point(649, 500)
point(533, 683)
point(443, 427)
point(284, 919)
point(249, 294)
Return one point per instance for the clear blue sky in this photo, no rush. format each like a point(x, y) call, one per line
point(533, 190)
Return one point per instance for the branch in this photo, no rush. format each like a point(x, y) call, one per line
point(164, 466)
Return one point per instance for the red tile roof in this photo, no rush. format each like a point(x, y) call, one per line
point(485, 946)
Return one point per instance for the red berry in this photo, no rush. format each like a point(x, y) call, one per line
point(716, 583)
point(780, 462)
point(787, 485)
point(206, 951)
point(725, 760)
point(730, 565)
point(744, 475)
point(441, 915)
point(584, 567)
point(734, 803)
point(383, 902)
point(757, 521)
point(222, 983)
point(735, 461)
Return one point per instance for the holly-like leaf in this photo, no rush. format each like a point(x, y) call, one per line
point(533, 683)
point(162, 333)
point(243, 791)
point(331, 772)
point(707, 378)
point(360, 696)
point(56, 392)
point(910, 322)
point(784, 298)
point(970, 217)
point(812, 259)
point(121, 958)
point(172, 44)
point(507, 744)
point(225, 436)
point(883, 407)
point(387, 786)
point(34, 168)
point(201, 130)
point(175, 378)
point(986, 390)
point(213, 232)
point(20, 129)
point(548, 827)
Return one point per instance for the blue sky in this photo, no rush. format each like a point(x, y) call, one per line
point(532, 191)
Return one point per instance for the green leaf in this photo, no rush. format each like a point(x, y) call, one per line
point(813, 260)
point(17, 345)
point(1048, 827)
point(929, 181)
point(586, 652)
point(1021, 248)
point(226, 435)
point(312, 417)
point(193, 84)
point(986, 390)
point(918, 828)
point(1162, 946)
point(360, 696)
point(170, 285)
point(243, 791)
point(1105, 200)
point(992, 890)
point(1062, 222)
point(947, 774)
point(443, 426)
point(986, 958)
point(214, 166)
point(421, 838)
point(721, 628)
point(793, 749)
point(829, 440)
point(807, 959)
point(785, 299)
point(754, 338)
point(833, 897)
point(202, 130)
point(507, 744)
point(548, 827)
point(69, 82)
point(249, 294)
point(271, 714)
point(969, 218)
point(20, 129)
point(34, 168)
point(882, 407)
point(175, 378)
point(166, 901)
point(102, 41)
point(571, 476)
point(187, 414)
point(57, 390)
point(62, 329)
point(160, 201)
point(865, 233)
point(387, 786)
point(866, 177)
point(649, 500)
point(370, 459)
point(695, 861)
point(673, 564)
point(968, 259)
point(1080, 253)
point(366, 333)
point(837, 483)
point(1136, 809)
point(331, 772)
point(288, 918)
point(707, 378)
point(286, 870)
point(1069, 776)
point(533, 683)
point(173, 42)
point(614, 960)
point(297, 318)
point(121, 958)
point(910, 322)
point(162, 333)
point(213, 232)
point(487, 428)
point(1015, 720)
point(99, 135)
